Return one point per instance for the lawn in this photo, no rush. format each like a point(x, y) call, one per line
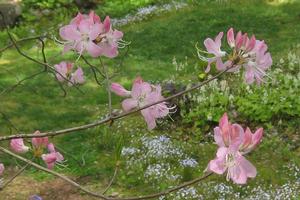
point(38, 104)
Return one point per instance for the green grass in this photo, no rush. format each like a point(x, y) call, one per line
point(38, 103)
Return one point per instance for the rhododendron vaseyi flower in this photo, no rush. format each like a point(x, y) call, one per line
point(245, 52)
point(88, 33)
point(143, 94)
point(52, 157)
point(237, 166)
point(65, 71)
point(18, 146)
point(1, 168)
point(233, 142)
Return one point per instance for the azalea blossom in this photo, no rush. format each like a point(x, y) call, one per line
point(143, 94)
point(86, 33)
point(233, 143)
point(18, 145)
point(52, 157)
point(237, 166)
point(246, 52)
point(65, 71)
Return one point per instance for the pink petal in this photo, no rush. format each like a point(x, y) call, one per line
point(95, 31)
point(218, 137)
point(247, 167)
point(84, 27)
point(69, 32)
point(119, 90)
point(150, 119)
point(106, 24)
point(93, 49)
point(230, 38)
point(129, 104)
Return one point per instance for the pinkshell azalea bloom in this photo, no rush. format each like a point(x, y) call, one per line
point(1, 169)
point(119, 90)
point(238, 168)
point(80, 36)
point(214, 47)
point(65, 72)
point(18, 146)
point(86, 33)
point(227, 134)
point(245, 52)
point(143, 94)
point(250, 141)
point(52, 157)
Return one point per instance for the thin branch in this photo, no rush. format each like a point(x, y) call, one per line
point(11, 88)
point(22, 40)
point(108, 83)
point(92, 66)
point(13, 177)
point(31, 58)
point(113, 178)
point(113, 117)
point(151, 196)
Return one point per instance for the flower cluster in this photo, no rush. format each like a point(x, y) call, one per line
point(86, 33)
point(65, 71)
point(38, 146)
point(143, 94)
point(233, 143)
point(245, 52)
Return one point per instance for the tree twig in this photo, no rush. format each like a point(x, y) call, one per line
point(150, 196)
point(113, 117)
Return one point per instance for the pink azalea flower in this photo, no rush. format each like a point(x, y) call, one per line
point(227, 134)
point(41, 142)
point(143, 94)
point(80, 36)
point(1, 169)
point(65, 71)
point(52, 157)
point(245, 52)
point(18, 146)
point(250, 141)
point(86, 33)
point(238, 168)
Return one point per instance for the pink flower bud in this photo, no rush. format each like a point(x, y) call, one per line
point(40, 142)
point(119, 90)
point(18, 146)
